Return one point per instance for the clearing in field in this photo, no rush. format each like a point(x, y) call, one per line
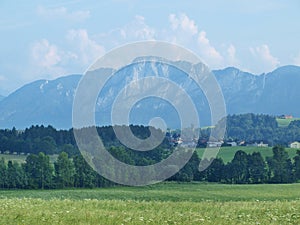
point(285, 122)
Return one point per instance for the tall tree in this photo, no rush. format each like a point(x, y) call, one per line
point(64, 171)
point(16, 177)
point(11, 175)
point(256, 168)
point(215, 172)
point(39, 171)
point(280, 166)
point(84, 174)
point(237, 169)
point(3, 173)
point(297, 165)
point(190, 171)
point(45, 171)
point(31, 170)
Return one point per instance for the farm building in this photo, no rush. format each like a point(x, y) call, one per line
point(214, 144)
point(295, 144)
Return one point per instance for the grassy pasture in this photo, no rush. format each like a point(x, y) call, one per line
point(16, 158)
point(285, 122)
point(166, 203)
point(22, 158)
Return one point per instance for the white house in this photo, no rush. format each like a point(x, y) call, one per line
point(188, 144)
point(295, 144)
point(214, 144)
point(261, 144)
point(232, 143)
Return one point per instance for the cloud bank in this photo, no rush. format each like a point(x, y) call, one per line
point(79, 48)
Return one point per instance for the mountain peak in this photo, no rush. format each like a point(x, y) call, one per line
point(228, 69)
point(288, 69)
point(232, 71)
point(50, 101)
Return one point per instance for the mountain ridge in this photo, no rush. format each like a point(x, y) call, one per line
point(50, 101)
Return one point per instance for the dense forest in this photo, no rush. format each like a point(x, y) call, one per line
point(71, 170)
point(39, 173)
point(51, 141)
point(249, 128)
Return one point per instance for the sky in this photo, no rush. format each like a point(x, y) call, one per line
point(49, 39)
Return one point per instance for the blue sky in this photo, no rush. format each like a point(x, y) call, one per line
point(49, 39)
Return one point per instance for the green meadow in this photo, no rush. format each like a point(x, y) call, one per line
point(22, 158)
point(165, 203)
point(285, 122)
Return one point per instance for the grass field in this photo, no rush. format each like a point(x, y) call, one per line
point(227, 153)
point(166, 203)
point(16, 158)
point(285, 122)
point(22, 158)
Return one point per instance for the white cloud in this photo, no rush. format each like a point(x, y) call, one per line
point(263, 59)
point(52, 61)
point(63, 13)
point(46, 59)
point(136, 30)
point(184, 23)
point(231, 58)
point(209, 52)
point(81, 49)
point(187, 32)
point(84, 50)
point(184, 31)
point(45, 54)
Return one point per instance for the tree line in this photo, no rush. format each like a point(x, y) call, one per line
point(245, 127)
point(50, 141)
point(74, 172)
point(39, 173)
point(254, 169)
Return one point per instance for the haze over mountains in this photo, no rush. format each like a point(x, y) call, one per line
point(50, 102)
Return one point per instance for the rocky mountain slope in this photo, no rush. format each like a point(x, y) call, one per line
point(50, 102)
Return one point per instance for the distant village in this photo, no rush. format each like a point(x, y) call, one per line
point(175, 139)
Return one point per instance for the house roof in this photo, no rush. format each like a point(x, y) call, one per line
point(295, 142)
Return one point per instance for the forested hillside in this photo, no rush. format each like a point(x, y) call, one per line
point(255, 128)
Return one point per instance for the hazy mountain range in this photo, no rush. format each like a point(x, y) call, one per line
point(50, 102)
